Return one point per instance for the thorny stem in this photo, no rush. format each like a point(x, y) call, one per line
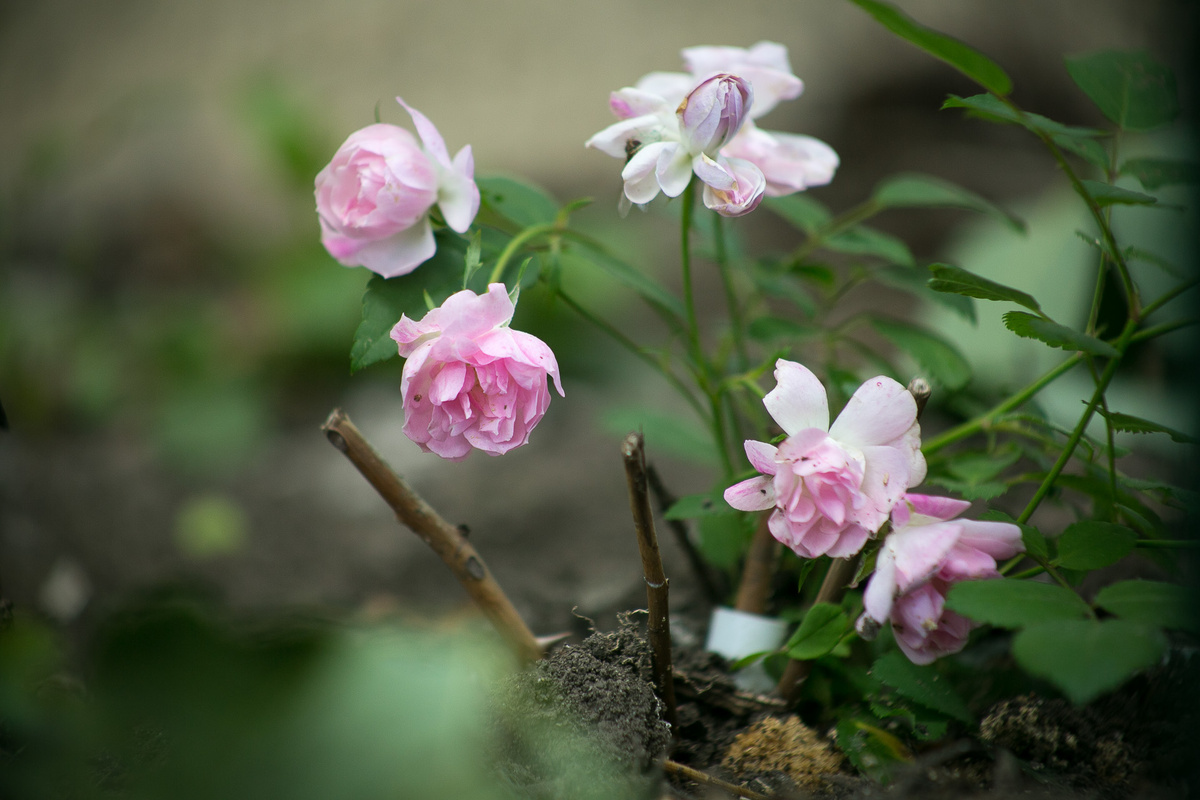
point(445, 539)
point(658, 625)
point(688, 773)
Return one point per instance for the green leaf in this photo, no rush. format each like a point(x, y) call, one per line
point(1031, 537)
point(1105, 194)
point(1086, 148)
point(956, 280)
point(785, 287)
point(1009, 603)
point(723, 538)
point(917, 282)
point(922, 684)
point(872, 750)
point(982, 466)
point(770, 329)
point(1154, 173)
point(1150, 603)
point(861, 240)
point(942, 360)
point(699, 505)
point(801, 211)
point(473, 260)
point(1091, 545)
point(386, 300)
point(984, 490)
point(926, 191)
point(1030, 327)
point(1085, 658)
point(994, 109)
point(822, 628)
point(962, 57)
point(522, 203)
point(1133, 253)
point(1131, 424)
point(650, 291)
point(1134, 90)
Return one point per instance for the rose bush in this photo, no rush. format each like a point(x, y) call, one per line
point(470, 381)
point(375, 196)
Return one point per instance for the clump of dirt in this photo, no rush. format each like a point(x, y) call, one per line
point(584, 722)
point(783, 745)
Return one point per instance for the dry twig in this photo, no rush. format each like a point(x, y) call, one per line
point(445, 539)
point(659, 625)
point(687, 773)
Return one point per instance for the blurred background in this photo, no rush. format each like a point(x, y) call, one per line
point(172, 334)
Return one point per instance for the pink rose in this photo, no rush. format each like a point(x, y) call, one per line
point(790, 162)
point(374, 197)
point(470, 381)
point(927, 552)
point(743, 196)
point(765, 66)
point(832, 487)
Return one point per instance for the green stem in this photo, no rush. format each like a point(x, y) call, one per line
point(1168, 297)
point(844, 222)
point(735, 313)
point(973, 426)
point(685, 256)
point(1159, 330)
point(1069, 449)
point(515, 244)
point(633, 347)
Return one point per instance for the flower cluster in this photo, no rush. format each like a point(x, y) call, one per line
point(673, 125)
point(375, 196)
point(833, 487)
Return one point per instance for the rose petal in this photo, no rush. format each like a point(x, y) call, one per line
point(755, 494)
point(798, 400)
point(880, 411)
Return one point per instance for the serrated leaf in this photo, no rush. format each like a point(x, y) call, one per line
point(1128, 423)
point(1030, 327)
point(1133, 89)
point(772, 329)
point(979, 467)
point(1010, 603)
point(1085, 658)
point(994, 109)
point(964, 58)
point(922, 684)
point(956, 280)
point(801, 211)
point(386, 300)
point(822, 628)
point(916, 282)
point(520, 202)
point(940, 358)
point(861, 240)
point(985, 490)
point(1092, 545)
point(699, 505)
point(473, 260)
point(1154, 173)
point(1150, 603)
point(1138, 254)
point(1105, 194)
point(926, 191)
point(872, 750)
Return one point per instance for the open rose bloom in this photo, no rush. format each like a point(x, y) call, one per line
point(470, 381)
point(374, 197)
point(832, 487)
point(928, 551)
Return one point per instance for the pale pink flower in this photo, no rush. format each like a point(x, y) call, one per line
point(665, 143)
point(832, 487)
point(469, 380)
point(374, 197)
point(928, 551)
point(765, 66)
point(789, 162)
